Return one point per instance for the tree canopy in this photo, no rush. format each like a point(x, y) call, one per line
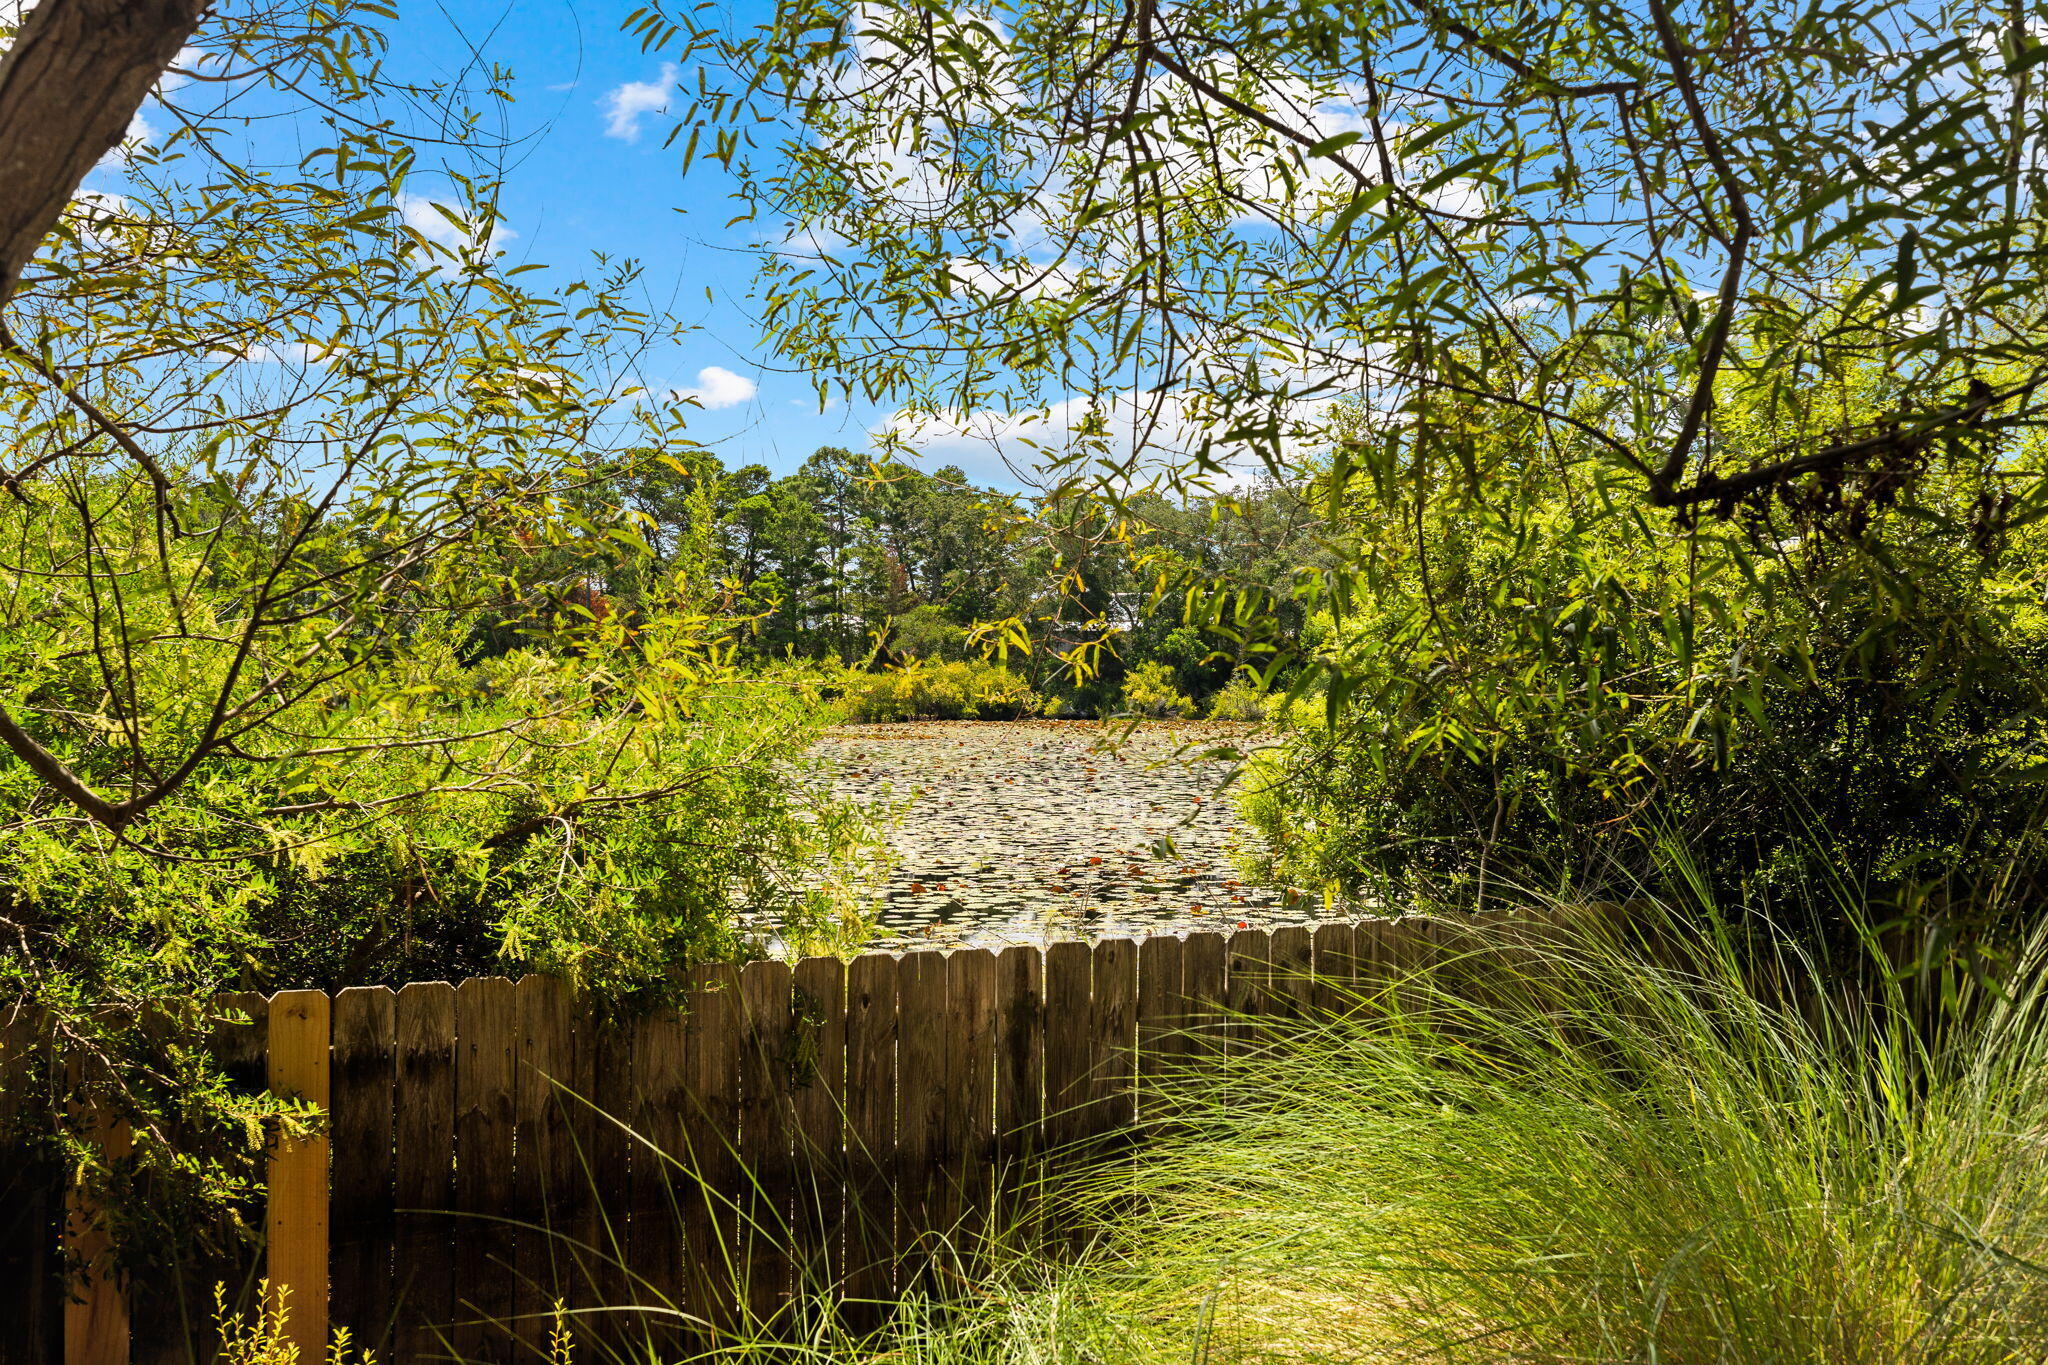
point(1194, 226)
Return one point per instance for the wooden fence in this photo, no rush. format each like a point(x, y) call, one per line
point(496, 1148)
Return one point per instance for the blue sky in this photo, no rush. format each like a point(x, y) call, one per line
point(588, 172)
point(595, 176)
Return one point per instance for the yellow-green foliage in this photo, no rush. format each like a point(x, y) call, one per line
point(961, 690)
point(1149, 691)
point(262, 1338)
point(1242, 699)
point(1536, 678)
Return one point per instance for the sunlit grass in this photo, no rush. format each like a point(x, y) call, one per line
point(1550, 1148)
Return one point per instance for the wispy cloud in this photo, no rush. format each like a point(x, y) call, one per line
point(627, 104)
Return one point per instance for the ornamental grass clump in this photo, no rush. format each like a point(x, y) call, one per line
point(1555, 1148)
point(1580, 1150)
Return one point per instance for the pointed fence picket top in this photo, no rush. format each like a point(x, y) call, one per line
point(502, 1157)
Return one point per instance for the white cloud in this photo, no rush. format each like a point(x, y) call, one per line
point(424, 215)
point(1013, 279)
point(806, 243)
point(718, 387)
point(1139, 434)
point(301, 353)
point(141, 133)
point(183, 68)
point(626, 105)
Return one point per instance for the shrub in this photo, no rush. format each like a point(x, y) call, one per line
point(925, 632)
point(966, 690)
point(1149, 691)
point(1241, 700)
point(1546, 688)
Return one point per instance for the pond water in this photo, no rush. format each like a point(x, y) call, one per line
point(1025, 831)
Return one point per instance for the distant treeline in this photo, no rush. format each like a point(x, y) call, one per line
point(877, 566)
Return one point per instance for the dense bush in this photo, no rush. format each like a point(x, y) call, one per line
point(957, 690)
point(1149, 691)
point(1546, 686)
point(1241, 700)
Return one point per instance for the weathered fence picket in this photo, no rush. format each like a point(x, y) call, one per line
point(498, 1151)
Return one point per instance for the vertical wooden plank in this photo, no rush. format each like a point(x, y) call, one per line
point(1020, 1073)
point(550, 1187)
point(1162, 1024)
point(29, 1196)
point(1247, 987)
point(1069, 1046)
point(1337, 968)
point(1372, 956)
point(818, 1081)
point(486, 1076)
point(612, 1161)
point(669, 1206)
point(1113, 1073)
point(1204, 969)
point(1293, 984)
point(97, 1328)
point(240, 1045)
point(296, 1216)
point(921, 1127)
point(423, 1148)
point(765, 1135)
point(970, 1098)
point(870, 1138)
point(1409, 958)
point(709, 1176)
point(363, 1076)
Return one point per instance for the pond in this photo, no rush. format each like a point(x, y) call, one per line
point(1024, 831)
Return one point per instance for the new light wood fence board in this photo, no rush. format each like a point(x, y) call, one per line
point(296, 1213)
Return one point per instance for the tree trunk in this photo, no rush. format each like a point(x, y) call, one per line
point(69, 87)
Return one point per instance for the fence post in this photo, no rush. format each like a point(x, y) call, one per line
point(295, 1218)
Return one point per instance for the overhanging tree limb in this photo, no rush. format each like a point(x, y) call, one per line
point(69, 88)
